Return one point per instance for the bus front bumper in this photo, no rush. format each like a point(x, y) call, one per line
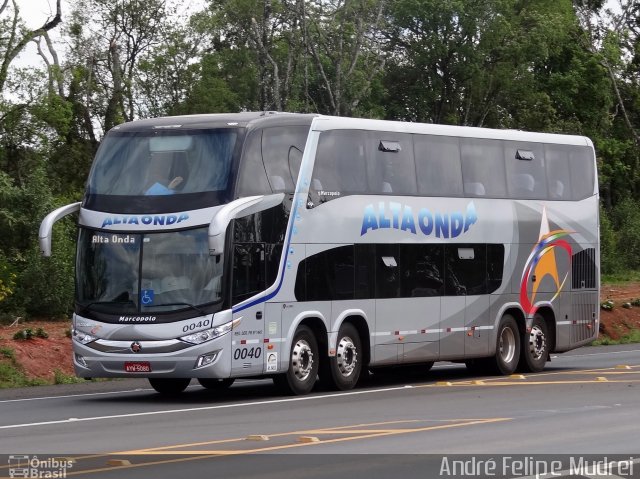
point(117, 359)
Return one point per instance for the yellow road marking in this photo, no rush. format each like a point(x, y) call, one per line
point(536, 383)
point(222, 453)
point(280, 434)
point(365, 435)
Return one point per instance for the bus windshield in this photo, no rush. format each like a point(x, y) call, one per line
point(146, 273)
point(163, 162)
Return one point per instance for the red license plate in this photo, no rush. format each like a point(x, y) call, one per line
point(137, 367)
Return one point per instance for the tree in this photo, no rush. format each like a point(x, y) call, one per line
point(15, 37)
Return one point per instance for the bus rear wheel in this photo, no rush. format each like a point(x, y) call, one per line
point(535, 347)
point(507, 353)
point(304, 360)
point(216, 384)
point(345, 367)
point(169, 386)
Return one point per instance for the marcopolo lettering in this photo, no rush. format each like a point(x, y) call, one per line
point(391, 215)
point(137, 319)
point(155, 220)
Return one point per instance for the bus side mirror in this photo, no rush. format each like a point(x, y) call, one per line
point(237, 209)
point(46, 227)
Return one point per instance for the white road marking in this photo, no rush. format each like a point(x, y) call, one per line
point(206, 408)
point(595, 354)
point(76, 395)
point(104, 393)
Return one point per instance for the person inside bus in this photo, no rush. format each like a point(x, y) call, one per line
point(163, 176)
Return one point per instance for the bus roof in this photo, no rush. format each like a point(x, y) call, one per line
point(323, 123)
point(217, 120)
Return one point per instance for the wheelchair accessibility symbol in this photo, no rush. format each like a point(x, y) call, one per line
point(146, 296)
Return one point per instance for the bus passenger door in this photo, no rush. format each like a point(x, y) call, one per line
point(248, 280)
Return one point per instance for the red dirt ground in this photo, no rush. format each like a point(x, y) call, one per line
point(39, 358)
point(620, 321)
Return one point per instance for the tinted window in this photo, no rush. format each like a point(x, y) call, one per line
point(558, 171)
point(365, 271)
point(388, 271)
point(326, 276)
point(340, 166)
point(465, 270)
point(276, 150)
point(582, 174)
point(163, 163)
point(252, 178)
point(390, 165)
point(438, 165)
point(525, 170)
point(248, 271)
point(295, 161)
point(495, 266)
point(422, 270)
point(483, 168)
point(395, 271)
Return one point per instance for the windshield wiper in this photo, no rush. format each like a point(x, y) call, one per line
point(86, 307)
point(201, 311)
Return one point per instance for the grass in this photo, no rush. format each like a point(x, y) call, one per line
point(61, 378)
point(8, 353)
point(11, 376)
point(632, 337)
point(622, 277)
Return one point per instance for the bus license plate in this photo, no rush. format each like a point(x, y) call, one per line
point(138, 367)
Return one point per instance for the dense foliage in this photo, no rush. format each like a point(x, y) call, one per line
point(545, 65)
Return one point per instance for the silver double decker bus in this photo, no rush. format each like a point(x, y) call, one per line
point(305, 247)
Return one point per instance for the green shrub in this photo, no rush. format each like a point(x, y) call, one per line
point(61, 378)
point(41, 333)
point(607, 305)
point(23, 334)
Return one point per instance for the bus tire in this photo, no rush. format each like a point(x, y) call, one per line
point(169, 386)
point(507, 353)
point(346, 366)
point(304, 360)
point(535, 346)
point(216, 384)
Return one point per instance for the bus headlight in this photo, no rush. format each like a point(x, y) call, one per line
point(208, 334)
point(83, 338)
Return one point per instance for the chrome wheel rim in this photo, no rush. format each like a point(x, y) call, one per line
point(302, 360)
point(537, 343)
point(507, 345)
point(346, 356)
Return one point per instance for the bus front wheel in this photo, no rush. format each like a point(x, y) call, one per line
point(507, 353)
point(169, 386)
point(535, 346)
point(304, 360)
point(346, 366)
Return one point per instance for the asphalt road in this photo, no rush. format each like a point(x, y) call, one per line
point(585, 402)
